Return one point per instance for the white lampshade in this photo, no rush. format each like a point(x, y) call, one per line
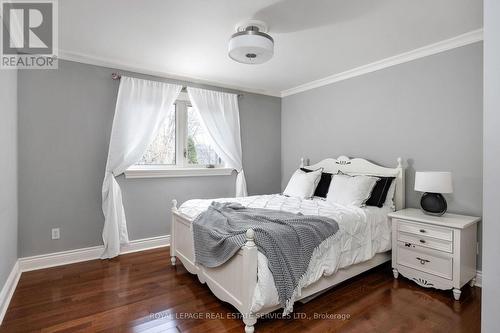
point(433, 182)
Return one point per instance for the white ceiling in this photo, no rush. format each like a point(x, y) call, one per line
point(313, 38)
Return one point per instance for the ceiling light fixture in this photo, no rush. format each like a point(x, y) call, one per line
point(250, 44)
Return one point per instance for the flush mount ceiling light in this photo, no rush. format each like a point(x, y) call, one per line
point(250, 44)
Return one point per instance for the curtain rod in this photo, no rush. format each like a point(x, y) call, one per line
point(117, 76)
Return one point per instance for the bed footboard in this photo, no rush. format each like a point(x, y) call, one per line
point(233, 282)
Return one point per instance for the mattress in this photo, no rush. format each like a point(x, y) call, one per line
point(363, 232)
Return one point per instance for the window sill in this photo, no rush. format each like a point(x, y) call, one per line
point(163, 172)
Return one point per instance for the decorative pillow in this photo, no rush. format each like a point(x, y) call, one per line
point(302, 184)
point(350, 190)
point(323, 185)
point(379, 193)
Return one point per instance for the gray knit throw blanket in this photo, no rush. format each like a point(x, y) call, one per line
point(287, 240)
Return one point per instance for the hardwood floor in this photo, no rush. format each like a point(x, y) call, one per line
point(141, 292)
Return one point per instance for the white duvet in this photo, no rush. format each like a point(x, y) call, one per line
point(363, 232)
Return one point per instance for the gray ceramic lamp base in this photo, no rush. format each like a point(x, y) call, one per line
point(433, 204)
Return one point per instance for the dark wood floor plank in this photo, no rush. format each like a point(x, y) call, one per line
point(142, 293)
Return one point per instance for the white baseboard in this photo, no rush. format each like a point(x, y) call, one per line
point(479, 279)
point(8, 289)
point(59, 258)
point(68, 257)
point(90, 253)
point(146, 244)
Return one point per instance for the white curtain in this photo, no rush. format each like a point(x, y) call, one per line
point(221, 116)
point(141, 107)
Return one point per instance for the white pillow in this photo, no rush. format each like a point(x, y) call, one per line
point(389, 200)
point(302, 184)
point(350, 190)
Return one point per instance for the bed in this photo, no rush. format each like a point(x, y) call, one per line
point(245, 280)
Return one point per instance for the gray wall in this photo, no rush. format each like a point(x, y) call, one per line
point(65, 119)
point(491, 176)
point(428, 111)
point(8, 172)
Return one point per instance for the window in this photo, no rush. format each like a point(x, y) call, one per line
point(199, 146)
point(182, 147)
point(162, 150)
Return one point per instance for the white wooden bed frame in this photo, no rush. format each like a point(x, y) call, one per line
point(235, 281)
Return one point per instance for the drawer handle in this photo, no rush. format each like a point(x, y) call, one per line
point(422, 241)
point(422, 231)
point(423, 261)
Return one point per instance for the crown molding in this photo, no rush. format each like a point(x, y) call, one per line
point(445, 45)
point(147, 70)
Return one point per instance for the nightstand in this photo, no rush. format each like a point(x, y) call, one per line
point(435, 252)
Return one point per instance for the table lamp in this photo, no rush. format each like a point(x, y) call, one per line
point(433, 183)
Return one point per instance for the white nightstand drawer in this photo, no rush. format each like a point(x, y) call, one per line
point(431, 243)
point(425, 230)
point(425, 260)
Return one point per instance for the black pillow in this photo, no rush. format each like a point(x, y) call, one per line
point(323, 185)
point(379, 192)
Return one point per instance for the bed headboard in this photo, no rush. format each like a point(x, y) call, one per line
point(360, 166)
